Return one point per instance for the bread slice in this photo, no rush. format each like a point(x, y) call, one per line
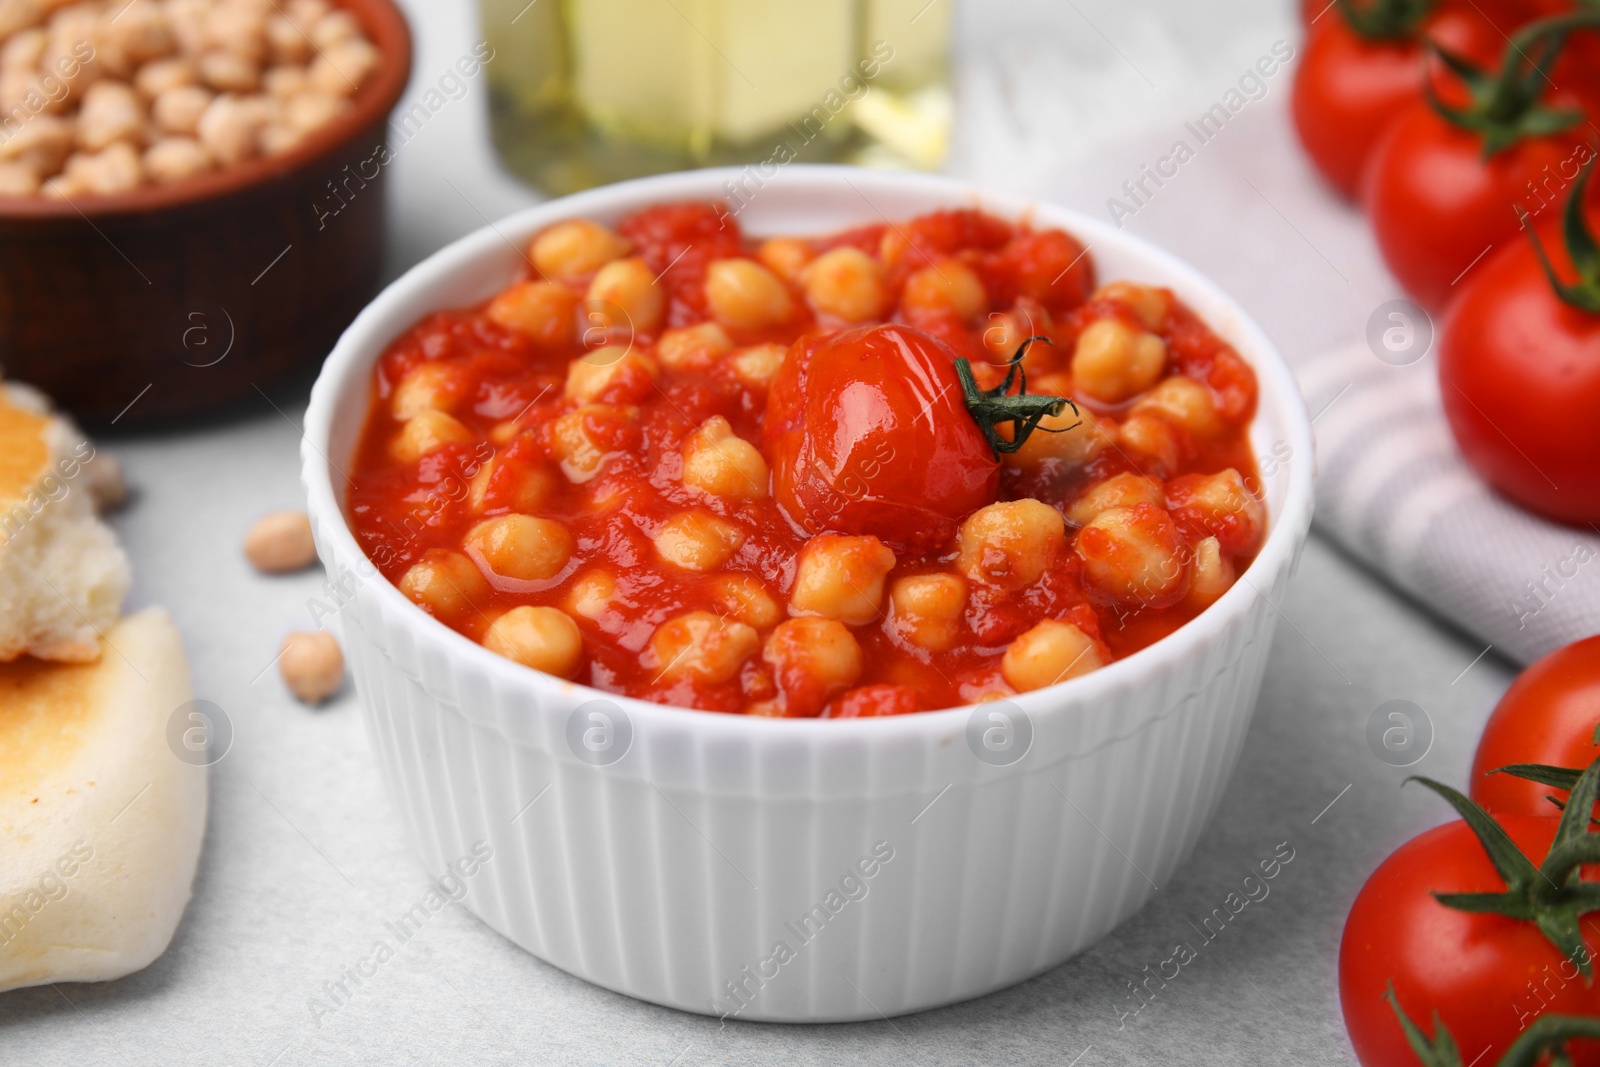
point(62, 574)
point(100, 819)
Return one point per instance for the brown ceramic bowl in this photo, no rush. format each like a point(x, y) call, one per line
point(172, 299)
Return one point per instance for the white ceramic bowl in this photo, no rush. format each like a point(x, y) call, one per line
point(800, 870)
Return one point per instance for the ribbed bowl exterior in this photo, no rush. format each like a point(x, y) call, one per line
point(801, 871)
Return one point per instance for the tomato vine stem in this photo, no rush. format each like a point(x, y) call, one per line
point(1548, 1036)
point(1386, 20)
point(1583, 294)
point(990, 408)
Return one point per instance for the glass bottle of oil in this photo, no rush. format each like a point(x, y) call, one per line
point(584, 92)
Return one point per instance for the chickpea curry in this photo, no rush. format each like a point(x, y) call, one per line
point(900, 468)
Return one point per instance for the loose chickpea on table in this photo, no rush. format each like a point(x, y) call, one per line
point(804, 477)
point(103, 96)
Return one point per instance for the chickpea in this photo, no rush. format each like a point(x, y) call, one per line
point(42, 143)
point(427, 387)
point(1051, 652)
point(157, 77)
point(445, 583)
point(281, 83)
point(756, 366)
point(1211, 574)
point(847, 284)
point(18, 179)
point(629, 285)
point(311, 108)
point(280, 542)
point(573, 442)
point(840, 577)
point(1118, 491)
point(115, 169)
point(1009, 545)
point(1064, 449)
point(693, 347)
point(173, 159)
point(615, 372)
point(1149, 304)
point(111, 112)
point(236, 28)
point(1146, 435)
point(541, 311)
point(1008, 329)
point(1113, 362)
point(311, 664)
point(701, 647)
point(786, 257)
point(1219, 505)
point(592, 594)
point(178, 109)
point(23, 50)
point(928, 609)
point(520, 547)
point(230, 72)
point(287, 42)
point(1132, 555)
point(427, 432)
point(334, 28)
point(576, 248)
point(745, 598)
point(525, 489)
point(141, 33)
point(342, 68)
point(948, 284)
point(745, 295)
point(698, 541)
point(228, 128)
point(545, 639)
point(1182, 402)
point(811, 660)
point(718, 462)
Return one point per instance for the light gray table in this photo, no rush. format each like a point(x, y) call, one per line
point(305, 859)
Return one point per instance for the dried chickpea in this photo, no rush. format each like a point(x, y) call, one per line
point(115, 169)
point(18, 179)
point(341, 69)
point(948, 284)
point(573, 249)
point(427, 387)
point(573, 444)
point(283, 82)
point(629, 285)
point(280, 542)
point(23, 50)
point(927, 609)
point(178, 109)
point(111, 112)
point(698, 541)
point(140, 32)
point(228, 128)
point(1210, 574)
point(840, 577)
point(757, 365)
point(1010, 544)
point(616, 372)
point(1113, 362)
point(1132, 554)
point(847, 284)
point(701, 647)
point(786, 257)
point(1068, 440)
point(545, 639)
point(311, 664)
point(811, 660)
point(718, 462)
point(445, 583)
point(236, 28)
point(311, 108)
point(592, 594)
point(157, 77)
point(287, 42)
point(1118, 491)
point(1149, 304)
point(229, 72)
point(1050, 652)
point(334, 28)
point(426, 432)
point(693, 347)
point(520, 547)
point(530, 488)
point(745, 295)
point(745, 597)
point(42, 143)
point(1184, 403)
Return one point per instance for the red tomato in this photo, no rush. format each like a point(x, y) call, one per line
point(1048, 266)
point(1473, 969)
point(873, 701)
point(1349, 88)
point(1439, 208)
point(869, 433)
point(1547, 716)
point(1519, 373)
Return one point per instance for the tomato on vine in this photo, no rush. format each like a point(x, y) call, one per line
point(1548, 716)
